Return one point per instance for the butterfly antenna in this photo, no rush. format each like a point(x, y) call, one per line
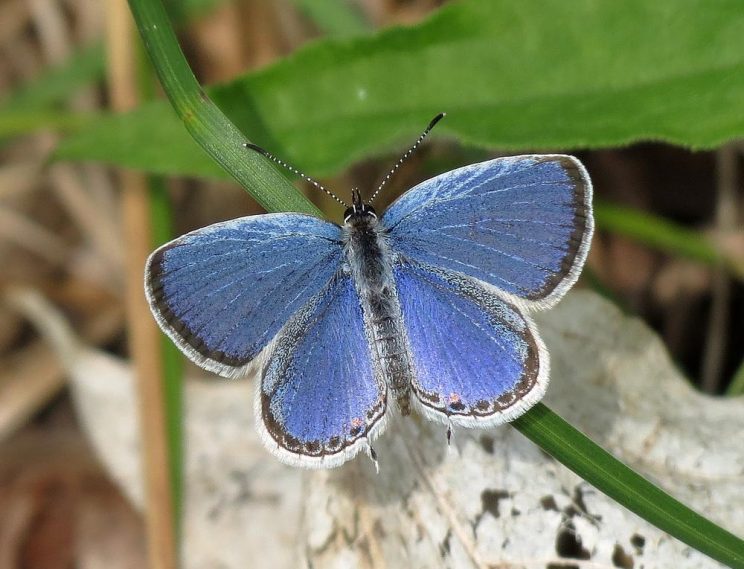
point(273, 158)
point(408, 152)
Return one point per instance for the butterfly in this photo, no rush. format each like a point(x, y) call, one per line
point(424, 308)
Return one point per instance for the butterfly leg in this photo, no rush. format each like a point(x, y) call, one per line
point(373, 457)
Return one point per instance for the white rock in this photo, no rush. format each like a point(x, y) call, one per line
point(494, 500)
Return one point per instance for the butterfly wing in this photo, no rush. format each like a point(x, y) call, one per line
point(477, 360)
point(320, 400)
point(522, 224)
point(223, 292)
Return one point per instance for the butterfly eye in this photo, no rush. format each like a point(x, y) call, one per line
point(359, 212)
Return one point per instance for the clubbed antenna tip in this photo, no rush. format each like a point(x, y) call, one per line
point(435, 120)
point(408, 152)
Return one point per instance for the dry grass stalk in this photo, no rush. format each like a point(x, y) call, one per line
point(144, 338)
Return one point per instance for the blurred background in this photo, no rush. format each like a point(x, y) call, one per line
point(669, 247)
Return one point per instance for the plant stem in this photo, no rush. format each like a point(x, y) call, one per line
point(143, 335)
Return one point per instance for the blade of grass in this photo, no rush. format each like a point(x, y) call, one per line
point(57, 83)
point(737, 384)
point(598, 467)
point(664, 235)
point(24, 121)
point(217, 135)
point(591, 278)
point(214, 132)
point(336, 18)
point(172, 363)
point(182, 11)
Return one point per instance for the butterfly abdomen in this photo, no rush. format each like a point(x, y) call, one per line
point(370, 263)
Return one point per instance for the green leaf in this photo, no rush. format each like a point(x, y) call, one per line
point(57, 83)
point(125, 145)
point(512, 75)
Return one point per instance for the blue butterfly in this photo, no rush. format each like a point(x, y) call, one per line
point(425, 306)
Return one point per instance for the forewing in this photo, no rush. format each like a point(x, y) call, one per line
point(319, 401)
point(478, 361)
point(522, 224)
point(223, 292)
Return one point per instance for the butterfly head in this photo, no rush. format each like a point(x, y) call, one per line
point(359, 211)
